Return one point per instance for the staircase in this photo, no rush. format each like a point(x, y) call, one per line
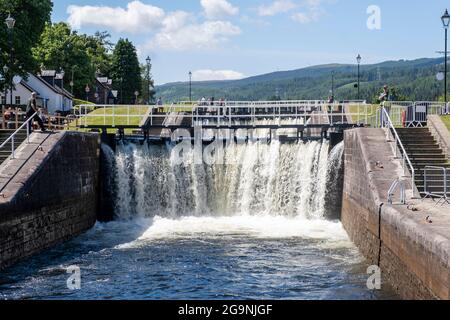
point(423, 150)
point(5, 152)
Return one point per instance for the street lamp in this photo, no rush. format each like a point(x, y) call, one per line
point(136, 94)
point(5, 72)
point(87, 90)
point(446, 23)
point(149, 61)
point(358, 60)
point(332, 85)
point(190, 86)
point(10, 22)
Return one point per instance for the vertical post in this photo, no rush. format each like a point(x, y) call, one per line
point(445, 78)
point(3, 116)
point(16, 117)
point(12, 148)
point(11, 69)
point(359, 81)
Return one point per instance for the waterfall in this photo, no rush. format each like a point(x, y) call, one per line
point(259, 179)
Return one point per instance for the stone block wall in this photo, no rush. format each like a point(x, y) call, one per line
point(52, 198)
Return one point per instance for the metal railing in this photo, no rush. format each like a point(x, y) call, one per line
point(399, 150)
point(413, 114)
point(225, 113)
point(12, 137)
point(436, 184)
point(397, 184)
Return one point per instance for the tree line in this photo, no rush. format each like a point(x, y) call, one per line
point(39, 44)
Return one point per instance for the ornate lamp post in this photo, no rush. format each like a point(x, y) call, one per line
point(190, 86)
point(446, 23)
point(149, 61)
point(358, 60)
point(10, 22)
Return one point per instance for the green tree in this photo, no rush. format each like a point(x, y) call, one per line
point(62, 49)
point(98, 47)
point(126, 71)
point(148, 91)
point(31, 17)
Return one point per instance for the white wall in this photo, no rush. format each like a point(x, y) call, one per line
point(20, 91)
point(54, 100)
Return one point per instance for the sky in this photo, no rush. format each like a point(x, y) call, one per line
point(231, 39)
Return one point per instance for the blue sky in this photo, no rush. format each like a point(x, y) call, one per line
point(227, 39)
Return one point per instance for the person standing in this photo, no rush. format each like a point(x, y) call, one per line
point(32, 109)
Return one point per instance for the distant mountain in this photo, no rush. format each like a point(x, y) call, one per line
point(413, 79)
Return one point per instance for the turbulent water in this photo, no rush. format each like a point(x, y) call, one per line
point(253, 221)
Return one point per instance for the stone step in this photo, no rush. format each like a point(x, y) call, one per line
point(430, 151)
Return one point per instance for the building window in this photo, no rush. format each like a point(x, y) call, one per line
point(17, 100)
point(4, 100)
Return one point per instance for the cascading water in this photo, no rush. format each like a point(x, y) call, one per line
point(254, 179)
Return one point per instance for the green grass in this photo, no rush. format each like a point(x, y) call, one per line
point(446, 120)
point(359, 114)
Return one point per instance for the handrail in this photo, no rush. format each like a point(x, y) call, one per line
point(398, 143)
point(12, 136)
point(395, 184)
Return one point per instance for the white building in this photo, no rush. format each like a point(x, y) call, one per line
point(50, 92)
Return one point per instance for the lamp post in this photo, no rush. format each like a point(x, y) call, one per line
point(332, 85)
point(10, 22)
point(358, 60)
point(87, 90)
point(190, 86)
point(149, 61)
point(445, 22)
point(72, 83)
point(5, 72)
point(136, 94)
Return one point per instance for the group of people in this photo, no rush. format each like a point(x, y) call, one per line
point(211, 102)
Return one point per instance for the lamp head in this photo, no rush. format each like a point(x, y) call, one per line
point(446, 19)
point(10, 22)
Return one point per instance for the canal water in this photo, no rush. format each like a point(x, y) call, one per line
point(249, 221)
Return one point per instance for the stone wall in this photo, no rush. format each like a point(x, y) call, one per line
point(52, 198)
point(440, 133)
point(413, 257)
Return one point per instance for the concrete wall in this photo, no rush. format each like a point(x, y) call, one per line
point(440, 133)
point(52, 198)
point(414, 257)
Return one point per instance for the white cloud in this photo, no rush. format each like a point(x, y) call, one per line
point(177, 30)
point(136, 18)
point(210, 75)
point(218, 9)
point(276, 7)
point(306, 17)
point(312, 12)
point(194, 36)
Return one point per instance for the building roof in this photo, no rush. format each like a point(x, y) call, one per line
point(55, 89)
point(27, 86)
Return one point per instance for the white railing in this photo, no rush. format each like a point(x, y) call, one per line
point(400, 151)
point(224, 113)
point(12, 137)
